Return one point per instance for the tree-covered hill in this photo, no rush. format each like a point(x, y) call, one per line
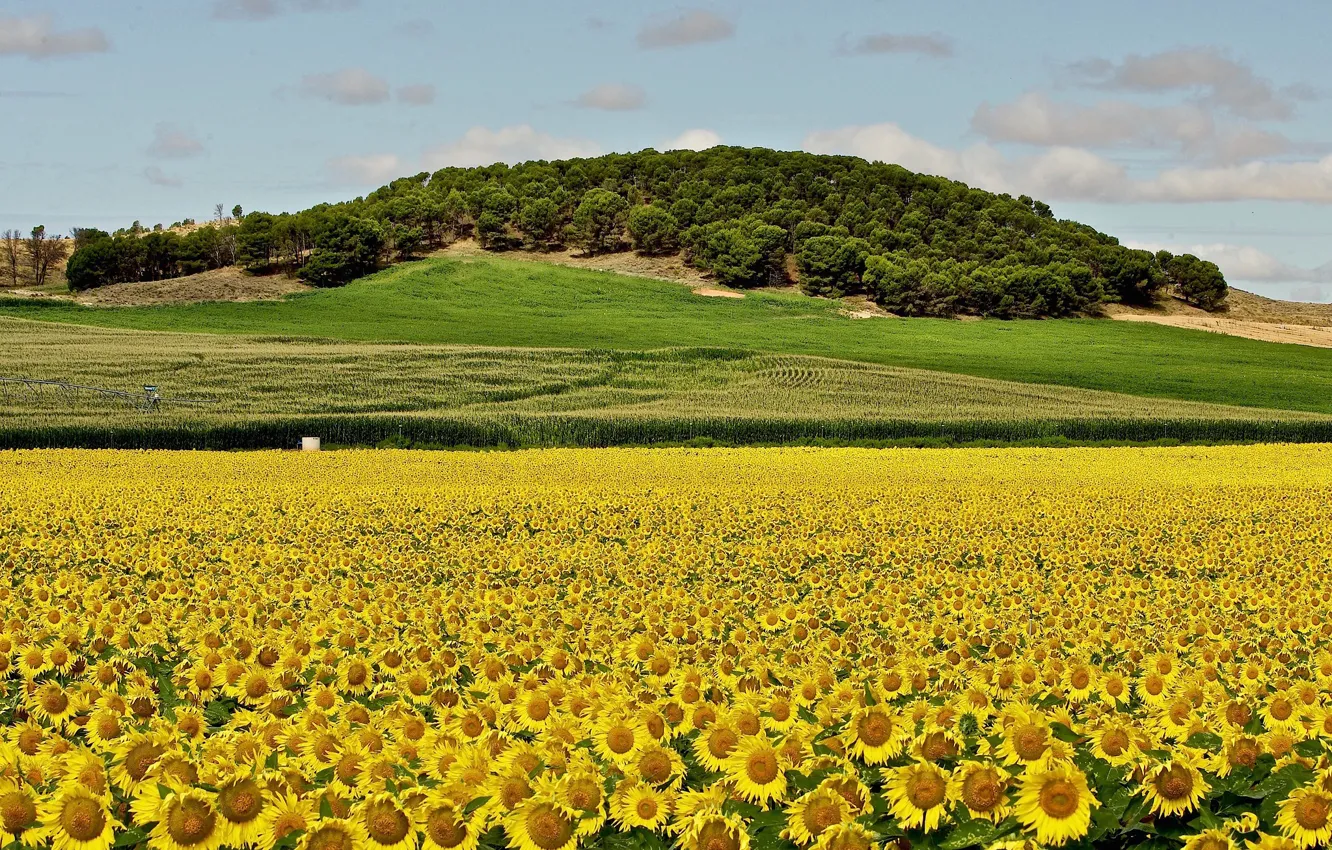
point(917, 244)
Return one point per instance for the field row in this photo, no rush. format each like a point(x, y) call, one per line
point(715, 650)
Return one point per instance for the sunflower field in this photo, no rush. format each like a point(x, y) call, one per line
point(752, 649)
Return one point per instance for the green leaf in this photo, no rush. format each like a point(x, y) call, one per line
point(1205, 741)
point(325, 808)
point(1312, 748)
point(969, 834)
point(869, 695)
point(1064, 733)
point(130, 837)
point(474, 805)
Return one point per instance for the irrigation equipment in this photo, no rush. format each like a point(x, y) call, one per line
point(150, 400)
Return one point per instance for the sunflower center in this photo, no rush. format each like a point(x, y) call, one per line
point(356, 675)
point(620, 739)
point(821, 814)
point(82, 819)
point(938, 746)
point(655, 767)
point(1176, 783)
point(444, 829)
point(874, 729)
point(54, 701)
point(1311, 812)
point(1281, 709)
point(1030, 742)
point(17, 812)
point(538, 708)
point(108, 726)
point(646, 808)
point(981, 791)
point(721, 741)
point(548, 828)
point(330, 837)
point(1213, 843)
point(472, 726)
point(240, 803)
point(191, 822)
point(514, 791)
point(1245, 753)
point(761, 767)
point(926, 790)
point(715, 836)
point(287, 823)
point(584, 794)
point(141, 757)
point(1059, 798)
point(1115, 742)
point(386, 823)
point(1238, 714)
point(1080, 678)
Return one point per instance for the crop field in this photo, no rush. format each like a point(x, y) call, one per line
point(753, 649)
point(269, 391)
point(496, 301)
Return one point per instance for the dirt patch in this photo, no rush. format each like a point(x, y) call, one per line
point(1320, 337)
point(230, 284)
point(713, 292)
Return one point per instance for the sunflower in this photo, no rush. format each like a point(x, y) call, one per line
point(714, 745)
point(580, 790)
point(757, 769)
point(1026, 739)
point(240, 801)
point(875, 735)
point(333, 834)
point(1056, 803)
point(1175, 788)
point(51, 704)
point(918, 794)
point(285, 813)
point(77, 819)
point(18, 812)
point(186, 820)
point(809, 816)
point(1272, 842)
point(641, 805)
point(1113, 741)
point(982, 788)
point(134, 756)
point(617, 738)
point(660, 766)
point(847, 836)
point(532, 710)
point(1306, 817)
point(385, 823)
point(444, 826)
point(1210, 839)
point(541, 824)
point(709, 830)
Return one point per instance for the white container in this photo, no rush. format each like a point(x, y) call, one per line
point(309, 444)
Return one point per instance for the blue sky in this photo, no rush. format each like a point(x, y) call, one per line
point(1188, 125)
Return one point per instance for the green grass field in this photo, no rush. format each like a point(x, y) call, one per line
point(501, 302)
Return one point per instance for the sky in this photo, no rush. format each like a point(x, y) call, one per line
point(1192, 126)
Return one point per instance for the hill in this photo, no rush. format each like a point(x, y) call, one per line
point(495, 301)
point(917, 245)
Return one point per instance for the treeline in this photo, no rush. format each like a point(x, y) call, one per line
point(918, 245)
point(30, 260)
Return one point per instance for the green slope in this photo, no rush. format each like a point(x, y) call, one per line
point(501, 302)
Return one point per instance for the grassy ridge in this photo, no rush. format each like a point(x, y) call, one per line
point(500, 302)
point(272, 390)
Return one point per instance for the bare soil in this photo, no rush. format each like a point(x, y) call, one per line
point(229, 284)
point(1246, 315)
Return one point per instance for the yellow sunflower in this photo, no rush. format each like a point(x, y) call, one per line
point(186, 820)
point(1306, 817)
point(1056, 803)
point(814, 813)
point(443, 826)
point(757, 769)
point(641, 805)
point(875, 735)
point(333, 834)
point(240, 801)
point(77, 819)
point(18, 812)
point(1175, 788)
point(709, 830)
point(714, 745)
point(847, 836)
point(385, 823)
point(918, 795)
point(982, 788)
point(285, 813)
point(541, 824)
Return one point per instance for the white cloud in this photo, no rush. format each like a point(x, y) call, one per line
point(35, 38)
point(1072, 173)
point(158, 177)
point(518, 143)
point(693, 140)
point(613, 97)
point(421, 94)
point(935, 44)
point(696, 26)
point(1244, 262)
point(173, 143)
point(374, 169)
point(1219, 79)
point(262, 10)
point(349, 87)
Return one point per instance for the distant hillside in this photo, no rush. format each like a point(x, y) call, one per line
point(917, 245)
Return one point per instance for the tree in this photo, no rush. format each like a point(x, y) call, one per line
point(254, 241)
point(347, 248)
point(1198, 282)
point(831, 265)
point(219, 212)
point(653, 230)
point(407, 241)
point(599, 221)
point(10, 244)
point(237, 213)
point(539, 221)
point(43, 253)
point(96, 263)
